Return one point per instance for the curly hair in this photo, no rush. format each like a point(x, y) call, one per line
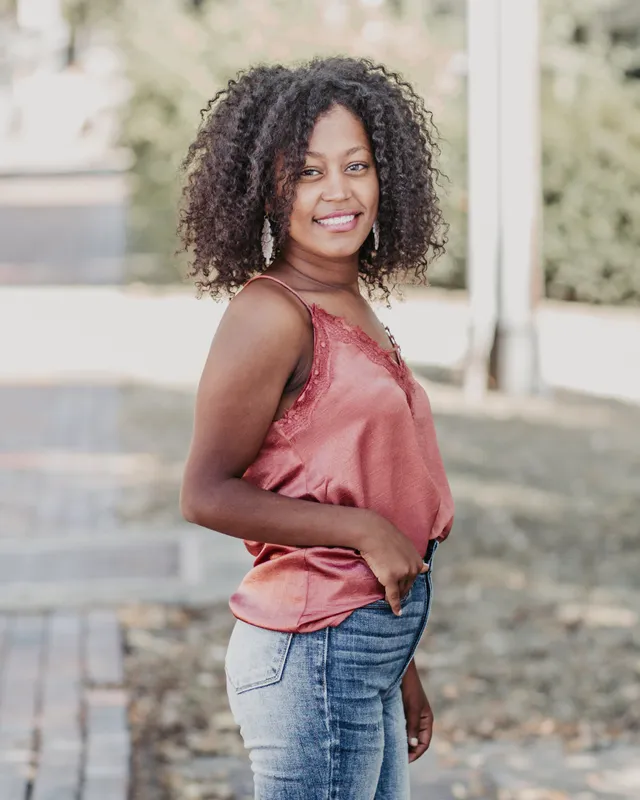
point(253, 138)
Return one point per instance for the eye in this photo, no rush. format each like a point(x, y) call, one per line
point(359, 167)
point(309, 172)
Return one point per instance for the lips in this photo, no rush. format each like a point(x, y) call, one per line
point(339, 222)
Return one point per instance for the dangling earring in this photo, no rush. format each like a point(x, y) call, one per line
point(267, 241)
point(376, 236)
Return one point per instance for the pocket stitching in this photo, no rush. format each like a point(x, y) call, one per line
point(270, 679)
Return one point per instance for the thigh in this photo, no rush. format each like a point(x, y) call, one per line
point(315, 710)
point(394, 783)
point(306, 741)
point(367, 657)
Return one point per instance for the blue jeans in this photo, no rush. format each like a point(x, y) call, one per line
point(321, 713)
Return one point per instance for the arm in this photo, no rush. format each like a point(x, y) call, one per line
point(256, 348)
point(418, 713)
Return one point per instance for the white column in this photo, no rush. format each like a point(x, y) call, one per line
point(483, 143)
point(520, 204)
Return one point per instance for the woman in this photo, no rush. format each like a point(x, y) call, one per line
point(312, 441)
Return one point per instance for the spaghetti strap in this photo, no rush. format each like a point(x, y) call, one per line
point(282, 283)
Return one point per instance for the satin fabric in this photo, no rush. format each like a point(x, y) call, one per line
point(360, 434)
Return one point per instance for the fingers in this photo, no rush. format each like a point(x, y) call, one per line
point(393, 598)
point(418, 750)
point(412, 738)
point(413, 727)
point(423, 738)
point(400, 588)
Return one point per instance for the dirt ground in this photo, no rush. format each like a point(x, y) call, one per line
point(534, 630)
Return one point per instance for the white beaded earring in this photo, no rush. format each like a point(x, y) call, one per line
point(376, 236)
point(267, 241)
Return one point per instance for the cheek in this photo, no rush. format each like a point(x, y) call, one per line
point(374, 191)
point(368, 193)
point(303, 206)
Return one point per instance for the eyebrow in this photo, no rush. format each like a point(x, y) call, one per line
point(349, 152)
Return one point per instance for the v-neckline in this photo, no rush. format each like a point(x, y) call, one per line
point(392, 355)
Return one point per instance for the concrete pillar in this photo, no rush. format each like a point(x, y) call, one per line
point(519, 137)
point(484, 212)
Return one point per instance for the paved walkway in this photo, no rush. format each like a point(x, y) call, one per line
point(63, 710)
point(64, 732)
point(53, 457)
point(67, 534)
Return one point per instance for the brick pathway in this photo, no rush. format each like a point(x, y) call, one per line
point(63, 708)
point(55, 457)
point(63, 716)
point(62, 475)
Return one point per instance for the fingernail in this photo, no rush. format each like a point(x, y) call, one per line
point(413, 742)
point(400, 613)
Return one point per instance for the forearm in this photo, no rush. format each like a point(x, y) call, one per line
point(242, 510)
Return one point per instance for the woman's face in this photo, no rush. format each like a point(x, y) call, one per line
point(337, 195)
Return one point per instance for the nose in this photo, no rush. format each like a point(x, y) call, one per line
point(336, 188)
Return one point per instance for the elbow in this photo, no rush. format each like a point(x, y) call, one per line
point(199, 508)
point(189, 511)
point(191, 507)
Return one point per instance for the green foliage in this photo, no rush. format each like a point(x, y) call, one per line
point(591, 159)
point(179, 56)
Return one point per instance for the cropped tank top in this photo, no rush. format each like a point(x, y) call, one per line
point(360, 434)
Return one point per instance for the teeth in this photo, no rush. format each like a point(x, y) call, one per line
point(337, 220)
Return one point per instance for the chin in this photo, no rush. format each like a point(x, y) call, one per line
point(338, 253)
point(343, 251)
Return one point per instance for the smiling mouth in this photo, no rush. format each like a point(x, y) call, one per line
point(336, 222)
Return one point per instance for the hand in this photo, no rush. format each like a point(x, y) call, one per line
point(418, 713)
point(393, 559)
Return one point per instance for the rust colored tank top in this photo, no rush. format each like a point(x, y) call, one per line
point(360, 434)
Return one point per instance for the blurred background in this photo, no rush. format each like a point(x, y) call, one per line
point(113, 614)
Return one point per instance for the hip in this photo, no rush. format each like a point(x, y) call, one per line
point(308, 589)
point(371, 642)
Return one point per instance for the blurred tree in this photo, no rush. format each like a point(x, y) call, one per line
point(178, 60)
point(591, 157)
point(8, 8)
point(82, 15)
point(591, 113)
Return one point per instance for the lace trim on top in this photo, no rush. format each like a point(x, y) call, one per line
point(391, 360)
point(297, 416)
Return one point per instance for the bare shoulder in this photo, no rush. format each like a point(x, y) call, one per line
point(267, 309)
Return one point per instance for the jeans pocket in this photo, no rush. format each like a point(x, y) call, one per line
point(256, 656)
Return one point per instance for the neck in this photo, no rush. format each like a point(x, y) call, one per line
point(339, 274)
